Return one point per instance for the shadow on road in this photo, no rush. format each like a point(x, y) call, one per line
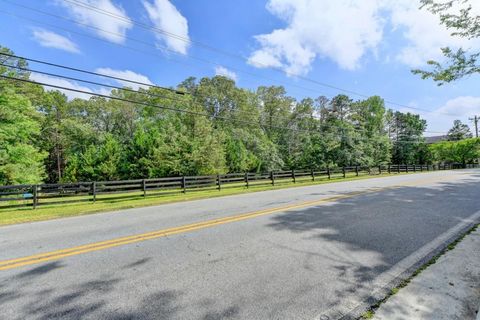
point(90, 299)
point(387, 225)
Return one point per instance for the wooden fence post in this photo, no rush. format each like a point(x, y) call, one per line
point(94, 191)
point(380, 169)
point(144, 188)
point(246, 179)
point(398, 168)
point(313, 174)
point(356, 170)
point(389, 169)
point(328, 172)
point(414, 168)
point(184, 184)
point(35, 196)
point(219, 182)
point(343, 171)
point(406, 170)
point(293, 176)
point(272, 177)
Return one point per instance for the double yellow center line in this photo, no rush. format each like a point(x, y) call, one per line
point(96, 246)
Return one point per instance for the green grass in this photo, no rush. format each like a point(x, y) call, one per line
point(110, 203)
point(368, 315)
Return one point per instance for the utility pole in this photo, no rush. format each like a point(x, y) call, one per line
point(475, 121)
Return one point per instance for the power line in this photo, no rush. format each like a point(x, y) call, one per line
point(91, 73)
point(87, 81)
point(202, 60)
point(138, 102)
point(173, 35)
point(123, 88)
point(195, 113)
point(105, 12)
point(97, 74)
point(212, 48)
point(97, 83)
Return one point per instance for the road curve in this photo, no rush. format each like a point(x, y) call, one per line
point(316, 252)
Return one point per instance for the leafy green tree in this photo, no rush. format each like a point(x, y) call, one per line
point(369, 118)
point(98, 162)
point(10, 66)
point(342, 141)
point(21, 162)
point(458, 16)
point(143, 156)
point(218, 128)
point(406, 132)
point(199, 148)
point(53, 138)
point(459, 131)
point(275, 108)
point(462, 151)
point(302, 126)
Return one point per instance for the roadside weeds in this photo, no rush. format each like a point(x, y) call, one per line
point(370, 313)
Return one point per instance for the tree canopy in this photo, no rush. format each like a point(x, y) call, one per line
point(463, 151)
point(215, 127)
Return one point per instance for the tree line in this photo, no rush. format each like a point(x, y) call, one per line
point(214, 127)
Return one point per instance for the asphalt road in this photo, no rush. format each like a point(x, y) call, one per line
point(317, 252)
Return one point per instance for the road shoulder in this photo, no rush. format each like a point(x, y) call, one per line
point(447, 289)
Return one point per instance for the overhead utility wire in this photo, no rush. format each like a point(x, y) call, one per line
point(101, 75)
point(193, 57)
point(202, 60)
point(89, 72)
point(135, 91)
point(139, 102)
point(161, 107)
point(108, 76)
point(88, 81)
point(212, 48)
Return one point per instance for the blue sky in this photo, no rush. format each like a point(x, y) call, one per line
point(366, 46)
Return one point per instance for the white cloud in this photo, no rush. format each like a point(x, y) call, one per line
point(69, 84)
point(165, 16)
point(113, 26)
point(222, 71)
point(344, 31)
point(424, 33)
point(62, 83)
point(126, 74)
point(441, 120)
point(53, 40)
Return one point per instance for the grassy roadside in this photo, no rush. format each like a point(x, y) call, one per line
point(370, 313)
point(135, 200)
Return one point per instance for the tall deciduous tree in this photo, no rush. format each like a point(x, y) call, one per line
point(20, 160)
point(463, 151)
point(218, 128)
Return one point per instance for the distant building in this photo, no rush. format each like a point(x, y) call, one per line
point(435, 139)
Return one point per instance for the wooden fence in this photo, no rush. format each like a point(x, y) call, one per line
point(61, 193)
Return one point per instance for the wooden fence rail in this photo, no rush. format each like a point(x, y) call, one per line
point(61, 193)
